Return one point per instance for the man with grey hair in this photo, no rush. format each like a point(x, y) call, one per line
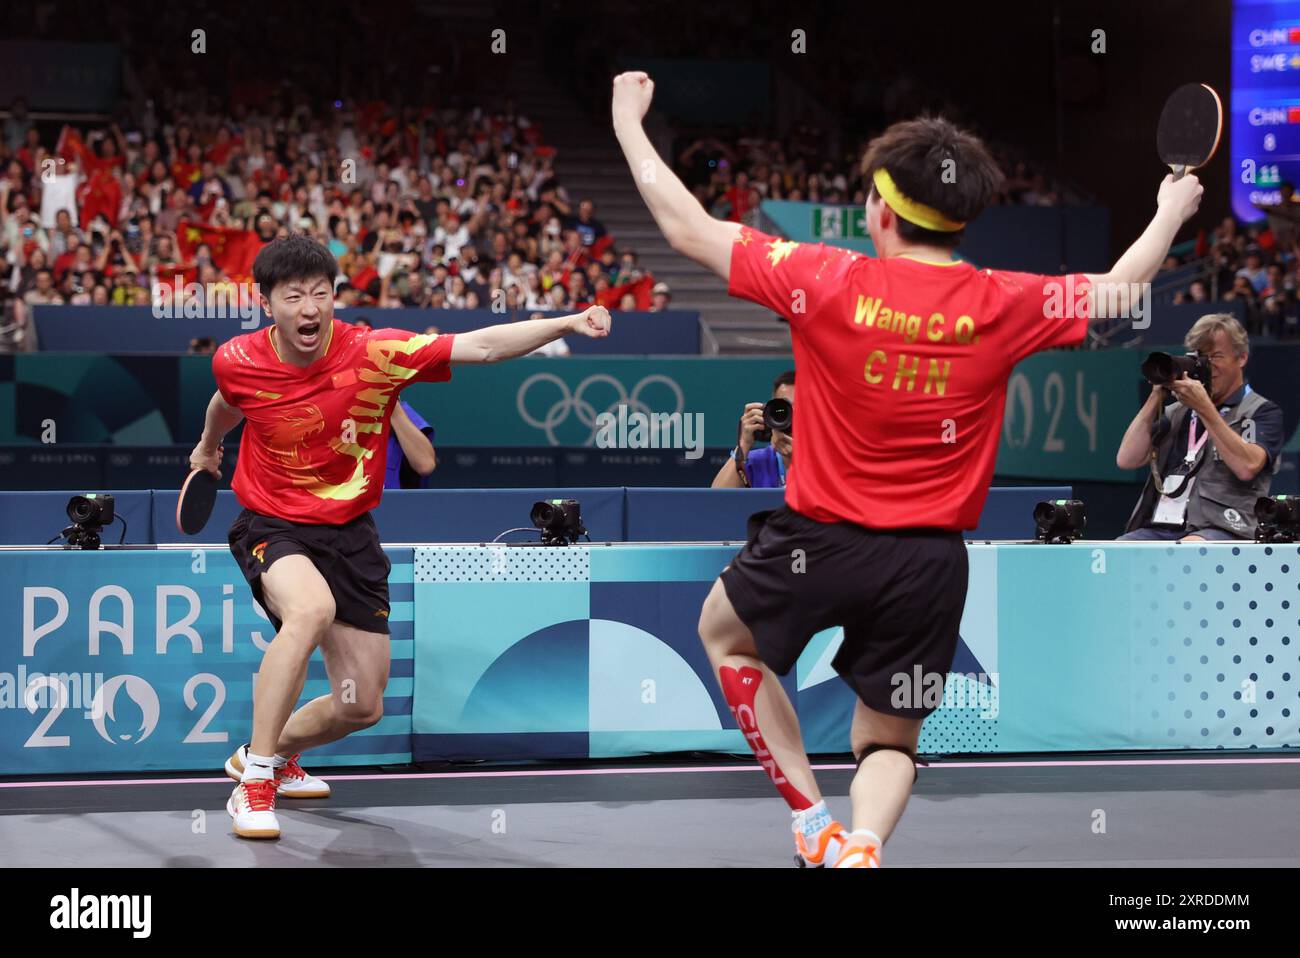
point(1212, 454)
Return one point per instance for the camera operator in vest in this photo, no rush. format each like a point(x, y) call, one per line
point(1215, 449)
point(765, 467)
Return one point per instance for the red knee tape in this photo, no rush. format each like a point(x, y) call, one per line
point(739, 688)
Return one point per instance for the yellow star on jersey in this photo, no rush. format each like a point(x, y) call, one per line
point(743, 237)
point(780, 249)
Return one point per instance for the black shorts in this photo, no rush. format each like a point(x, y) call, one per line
point(349, 557)
point(898, 593)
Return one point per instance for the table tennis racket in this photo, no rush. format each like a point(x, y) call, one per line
point(1189, 129)
point(194, 505)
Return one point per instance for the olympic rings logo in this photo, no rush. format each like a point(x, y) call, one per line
point(586, 412)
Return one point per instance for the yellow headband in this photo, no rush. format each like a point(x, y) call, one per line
point(910, 210)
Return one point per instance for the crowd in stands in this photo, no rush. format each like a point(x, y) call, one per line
point(731, 177)
point(1257, 266)
point(457, 209)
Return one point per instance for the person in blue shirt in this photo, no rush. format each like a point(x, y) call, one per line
point(765, 467)
point(411, 457)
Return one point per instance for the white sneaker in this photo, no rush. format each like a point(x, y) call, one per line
point(252, 806)
point(293, 781)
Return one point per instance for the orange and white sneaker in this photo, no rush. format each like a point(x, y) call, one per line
point(292, 780)
point(252, 806)
point(859, 851)
point(821, 848)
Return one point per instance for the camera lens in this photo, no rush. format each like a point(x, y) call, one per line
point(82, 510)
point(1158, 369)
point(778, 414)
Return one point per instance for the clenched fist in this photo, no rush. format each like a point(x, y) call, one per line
point(633, 92)
point(594, 321)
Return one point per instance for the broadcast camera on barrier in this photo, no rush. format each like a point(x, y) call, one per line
point(1279, 519)
point(1059, 521)
point(89, 514)
point(560, 521)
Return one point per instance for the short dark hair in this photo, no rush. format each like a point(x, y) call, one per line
point(915, 153)
point(785, 379)
point(293, 257)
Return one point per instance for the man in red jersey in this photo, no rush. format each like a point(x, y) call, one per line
point(318, 394)
point(903, 360)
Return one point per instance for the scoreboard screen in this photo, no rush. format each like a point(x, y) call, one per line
point(1264, 127)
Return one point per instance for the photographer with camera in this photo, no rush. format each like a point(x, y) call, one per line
point(763, 468)
point(1212, 451)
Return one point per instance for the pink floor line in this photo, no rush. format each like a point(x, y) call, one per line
point(661, 771)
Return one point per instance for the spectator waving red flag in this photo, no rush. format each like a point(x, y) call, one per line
point(72, 147)
point(100, 195)
point(640, 288)
point(233, 250)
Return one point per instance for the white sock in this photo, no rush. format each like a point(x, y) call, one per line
point(257, 767)
point(278, 761)
point(813, 819)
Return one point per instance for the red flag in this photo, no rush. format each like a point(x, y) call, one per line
point(640, 288)
point(73, 148)
point(186, 174)
point(101, 194)
point(169, 279)
point(233, 250)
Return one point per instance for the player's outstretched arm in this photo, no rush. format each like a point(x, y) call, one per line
point(1176, 203)
point(492, 344)
point(687, 226)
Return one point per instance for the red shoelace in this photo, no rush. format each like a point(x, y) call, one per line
point(260, 794)
point(291, 769)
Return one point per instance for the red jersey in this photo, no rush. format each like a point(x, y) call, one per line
point(316, 438)
point(903, 368)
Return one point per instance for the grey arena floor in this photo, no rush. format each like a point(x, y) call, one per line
point(1190, 809)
